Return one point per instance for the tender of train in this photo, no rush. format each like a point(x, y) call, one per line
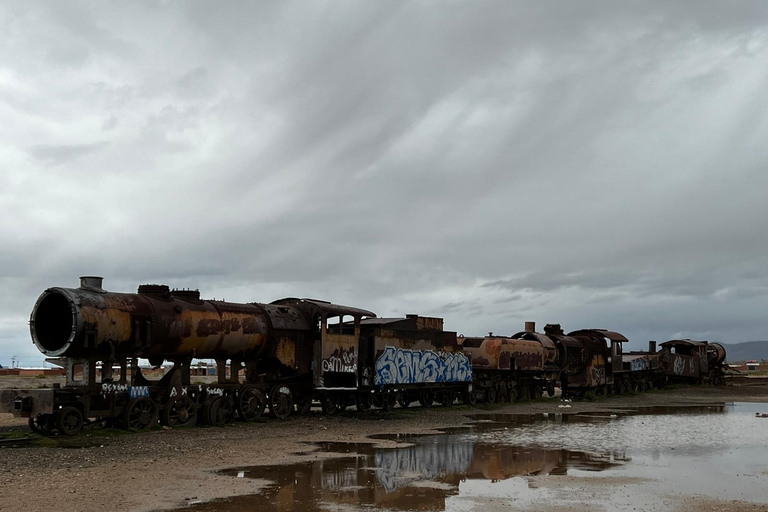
point(292, 354)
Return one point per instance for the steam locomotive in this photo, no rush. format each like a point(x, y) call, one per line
point(292, 354)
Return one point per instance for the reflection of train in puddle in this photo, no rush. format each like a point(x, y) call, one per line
point(416, 477)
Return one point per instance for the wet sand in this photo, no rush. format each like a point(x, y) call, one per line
point(166, 469)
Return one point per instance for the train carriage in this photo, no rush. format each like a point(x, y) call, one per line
point(292, 354)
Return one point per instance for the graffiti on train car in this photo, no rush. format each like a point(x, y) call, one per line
point(342, 360)
point(405, 366)
point(638, 365)
point(679, 365)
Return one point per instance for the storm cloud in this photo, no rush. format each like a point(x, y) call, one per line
point(596, 164)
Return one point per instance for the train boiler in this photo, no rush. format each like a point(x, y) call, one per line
point(277, 354)
point(522, 366)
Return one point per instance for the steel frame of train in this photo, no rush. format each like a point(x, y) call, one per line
point(293, 353)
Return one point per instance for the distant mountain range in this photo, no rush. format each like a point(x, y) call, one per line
point(738, 352)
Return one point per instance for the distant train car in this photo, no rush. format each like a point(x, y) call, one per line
point(692, 361)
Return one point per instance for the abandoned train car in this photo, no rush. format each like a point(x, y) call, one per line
point(292, 354)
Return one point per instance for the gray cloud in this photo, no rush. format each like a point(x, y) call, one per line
point(59, 153)
point(592, 163)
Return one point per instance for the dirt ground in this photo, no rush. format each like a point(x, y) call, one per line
point(165, 469)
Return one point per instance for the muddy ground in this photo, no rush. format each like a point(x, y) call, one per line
point(165, 469)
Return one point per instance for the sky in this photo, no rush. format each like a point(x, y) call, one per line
point(594, 164)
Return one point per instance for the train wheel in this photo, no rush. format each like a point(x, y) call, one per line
point(550, 389)
point(524, 394)
point(179, 412)
point(363, 402)
point(251, 403)
point(218, 411)
point(426, 398)
point(490, 395)
point(281, 401)
point(304, 405)
point(140, 414)
point(69, 420)
point(512, 395)
point(330, 404)
point(403, 400)
point(342, 403)
point(536, 392)
point(387, 400)
point(446, 397)
point(42, 424)
point(470, 397)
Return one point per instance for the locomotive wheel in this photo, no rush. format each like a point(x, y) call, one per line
point(304, 405)
point(403, 399)
point(140, 414)
point(217, 411)
point(537, 392)
point(469, 395)
point(330, 405)
point(281, 401)
point(625, 387)
point(69, 420)
point(251, 403)
point(524, 394)
point(512, 395)
point(387, 400)
point(363, 402)
point(179, 412)
point(446, 397)
point(426, 398)
point(42, 424)
point(490, 395)
point(550, 389)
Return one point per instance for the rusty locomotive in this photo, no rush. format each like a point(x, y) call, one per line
point(293, 353)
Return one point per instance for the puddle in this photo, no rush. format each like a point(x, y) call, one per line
point(646, 458)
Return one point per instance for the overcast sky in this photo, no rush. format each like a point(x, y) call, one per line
point(596, 164)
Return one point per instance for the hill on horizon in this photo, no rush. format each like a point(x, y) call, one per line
point(736, 352)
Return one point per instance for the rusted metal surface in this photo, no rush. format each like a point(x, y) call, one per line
point(597, 333)
point(685, 358)
point(328, 308)
point(162, 324)
point(27, 402)
point(499, 353)
point(715, 354)
point(550, 352)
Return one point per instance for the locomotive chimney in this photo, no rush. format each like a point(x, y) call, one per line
point(92, 283)
point(530, 326)
point(652, 347)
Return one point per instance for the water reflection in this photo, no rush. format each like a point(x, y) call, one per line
point(417, 477)
point(692, 449)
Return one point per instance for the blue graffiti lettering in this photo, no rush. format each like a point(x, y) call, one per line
point(138, 391)
point(404, 366)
